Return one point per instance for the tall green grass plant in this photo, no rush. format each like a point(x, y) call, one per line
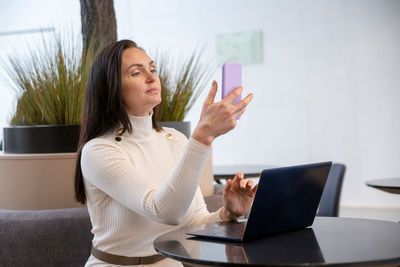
point(182, 81)
point(50, 82)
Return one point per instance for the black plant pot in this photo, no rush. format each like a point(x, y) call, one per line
point(182, 126)
point(41, 139)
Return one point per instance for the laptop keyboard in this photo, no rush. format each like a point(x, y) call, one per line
point(230, 230)
point(234, 229)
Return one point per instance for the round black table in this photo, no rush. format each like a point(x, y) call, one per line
point(329, 241)
point(391, 185)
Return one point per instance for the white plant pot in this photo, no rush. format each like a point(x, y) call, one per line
point(37, 181)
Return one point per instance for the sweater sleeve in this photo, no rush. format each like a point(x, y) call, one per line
point(110, 169)
point(201, 214)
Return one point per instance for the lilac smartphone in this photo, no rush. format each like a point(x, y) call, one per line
point(231, 79)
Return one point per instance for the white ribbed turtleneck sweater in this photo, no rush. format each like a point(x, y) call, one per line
point(142, 186)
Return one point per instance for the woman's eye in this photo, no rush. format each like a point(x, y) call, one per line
point(154, 71)
point(135, 74)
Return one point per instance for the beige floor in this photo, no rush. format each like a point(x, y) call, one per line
point(371, 213)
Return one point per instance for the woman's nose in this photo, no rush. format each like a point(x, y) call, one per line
point(150, 76)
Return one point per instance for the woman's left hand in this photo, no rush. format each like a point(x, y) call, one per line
point(238, 197)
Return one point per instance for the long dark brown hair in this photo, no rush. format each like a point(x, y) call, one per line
point(104, 107)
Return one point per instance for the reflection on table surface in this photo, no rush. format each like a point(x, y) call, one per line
point(300, 246)
point(391, 185)
point(329, 241)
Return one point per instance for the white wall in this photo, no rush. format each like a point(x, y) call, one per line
point(328, 88)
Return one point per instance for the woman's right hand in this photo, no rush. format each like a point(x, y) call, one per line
point(219, 118)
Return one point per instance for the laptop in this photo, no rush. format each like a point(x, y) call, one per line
point(286, 199)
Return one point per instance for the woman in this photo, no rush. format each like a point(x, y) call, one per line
point(138, 180)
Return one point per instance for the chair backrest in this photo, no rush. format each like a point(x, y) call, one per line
point(329, 204)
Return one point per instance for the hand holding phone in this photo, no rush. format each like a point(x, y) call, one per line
point(231, 79)
point(218, 118)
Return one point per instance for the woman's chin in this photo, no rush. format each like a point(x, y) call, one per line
point(154, 102)
point(157, 100)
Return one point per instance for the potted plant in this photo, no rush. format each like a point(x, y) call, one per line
point(182, 81)
point(50, 84)
point(38, 158)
